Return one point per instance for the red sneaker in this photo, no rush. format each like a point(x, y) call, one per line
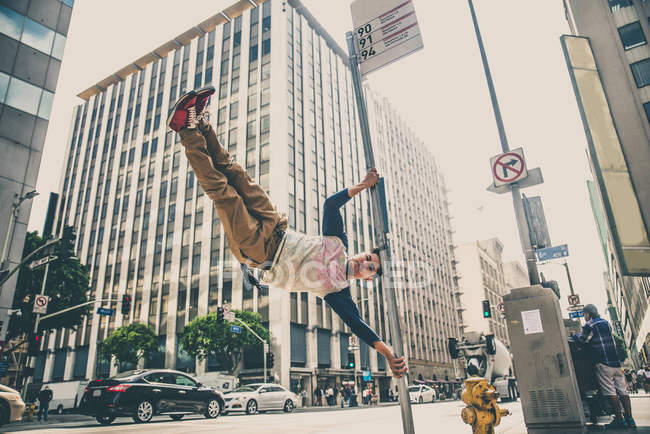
point(183, 114)
point(202, 100)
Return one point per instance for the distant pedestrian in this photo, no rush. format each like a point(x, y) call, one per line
point(44, 398)
point(330, 396)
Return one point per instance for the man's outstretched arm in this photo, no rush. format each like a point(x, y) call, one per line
point(332, 219)
point(342, 303)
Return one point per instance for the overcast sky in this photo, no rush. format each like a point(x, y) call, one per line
point(440, 91)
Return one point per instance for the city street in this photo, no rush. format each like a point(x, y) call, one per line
point(443, 417)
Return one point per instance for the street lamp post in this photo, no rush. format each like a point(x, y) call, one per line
point(524, 232)
point(18, 200)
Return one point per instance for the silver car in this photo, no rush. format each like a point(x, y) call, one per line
point(260, 397)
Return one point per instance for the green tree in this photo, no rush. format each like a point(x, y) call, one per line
point(206, 335)
point(67, 285)
point(129, 343)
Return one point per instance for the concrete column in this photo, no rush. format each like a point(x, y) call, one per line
point(71, 357)
point(49, 358)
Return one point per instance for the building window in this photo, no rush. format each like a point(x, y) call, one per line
point(632, 35)
point(617, 4)
point(641, 72)
point(646, 106)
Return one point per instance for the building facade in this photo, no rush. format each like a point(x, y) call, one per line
point(32, 39)
point(481, 270)
point(515, 275)
point(285, 110)
point(628, 297)
point(609, 63)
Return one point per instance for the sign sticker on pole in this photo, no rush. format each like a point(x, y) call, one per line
point(40, 304)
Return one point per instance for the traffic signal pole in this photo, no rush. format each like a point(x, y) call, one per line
point(381, 236)
point(264, 343)
point(522, 223)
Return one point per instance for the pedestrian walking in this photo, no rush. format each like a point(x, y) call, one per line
point(44, 398)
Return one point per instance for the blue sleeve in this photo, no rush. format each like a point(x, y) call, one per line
point(342, 303)
point(332, 219)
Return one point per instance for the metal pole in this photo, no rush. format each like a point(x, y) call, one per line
point(382, 239)
point(9, 234)
point(31, 359)
point(568, 275)
point(524, 231)
point(38, 315)
point(264, 362)
point(264, 343)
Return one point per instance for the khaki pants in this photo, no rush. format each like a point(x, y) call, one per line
point(250, 221)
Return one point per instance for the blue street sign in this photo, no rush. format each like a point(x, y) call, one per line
point(105, 311)
point(577, 314)
point(3, 368)
point(235, 329)
point(552, 253)
point(367, 376)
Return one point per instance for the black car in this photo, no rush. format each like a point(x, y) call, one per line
point(143, 394)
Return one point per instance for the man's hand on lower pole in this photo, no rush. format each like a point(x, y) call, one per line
point(397, 364)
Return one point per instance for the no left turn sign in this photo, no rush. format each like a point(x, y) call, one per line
point(40, 304)
point(508, 167)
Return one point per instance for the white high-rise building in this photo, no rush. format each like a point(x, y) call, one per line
point(481, 268)
point(285, 108)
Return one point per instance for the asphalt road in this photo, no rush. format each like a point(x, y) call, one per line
point(442, 417)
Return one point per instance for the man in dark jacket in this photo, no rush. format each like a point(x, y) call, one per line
point(597, 335)
point(44, 398)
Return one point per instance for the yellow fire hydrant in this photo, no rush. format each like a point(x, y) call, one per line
point(482, 411)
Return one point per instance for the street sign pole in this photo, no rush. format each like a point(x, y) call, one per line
point(568, 275)
point(524, 231)
point(382, 239)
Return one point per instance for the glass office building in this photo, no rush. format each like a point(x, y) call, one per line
point(32, 39)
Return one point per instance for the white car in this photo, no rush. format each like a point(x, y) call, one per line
point(421, 393)
point(259, 397)
point(12, 406)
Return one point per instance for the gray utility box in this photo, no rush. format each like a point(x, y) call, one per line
point(547, 384)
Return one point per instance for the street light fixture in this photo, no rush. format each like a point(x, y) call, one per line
point(18, 200)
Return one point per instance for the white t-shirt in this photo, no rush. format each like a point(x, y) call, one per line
point(309, 263)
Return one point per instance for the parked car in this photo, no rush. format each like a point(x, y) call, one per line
point(260, 397)
point(421, 393)
point(12, 406)
point(143, 394)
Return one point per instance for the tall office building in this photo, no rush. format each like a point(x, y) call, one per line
point(32, 39)
point(609, 63)
point(481, 268)
point(285, 109)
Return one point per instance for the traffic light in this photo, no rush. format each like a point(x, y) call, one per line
point(269, 359)
point(487, 311)
point(68, 239)
point(220, 314)
point(350, 360)
point(33, 344)
point(126, 304)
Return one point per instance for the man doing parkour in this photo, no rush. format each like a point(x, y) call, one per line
point(257, 234)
